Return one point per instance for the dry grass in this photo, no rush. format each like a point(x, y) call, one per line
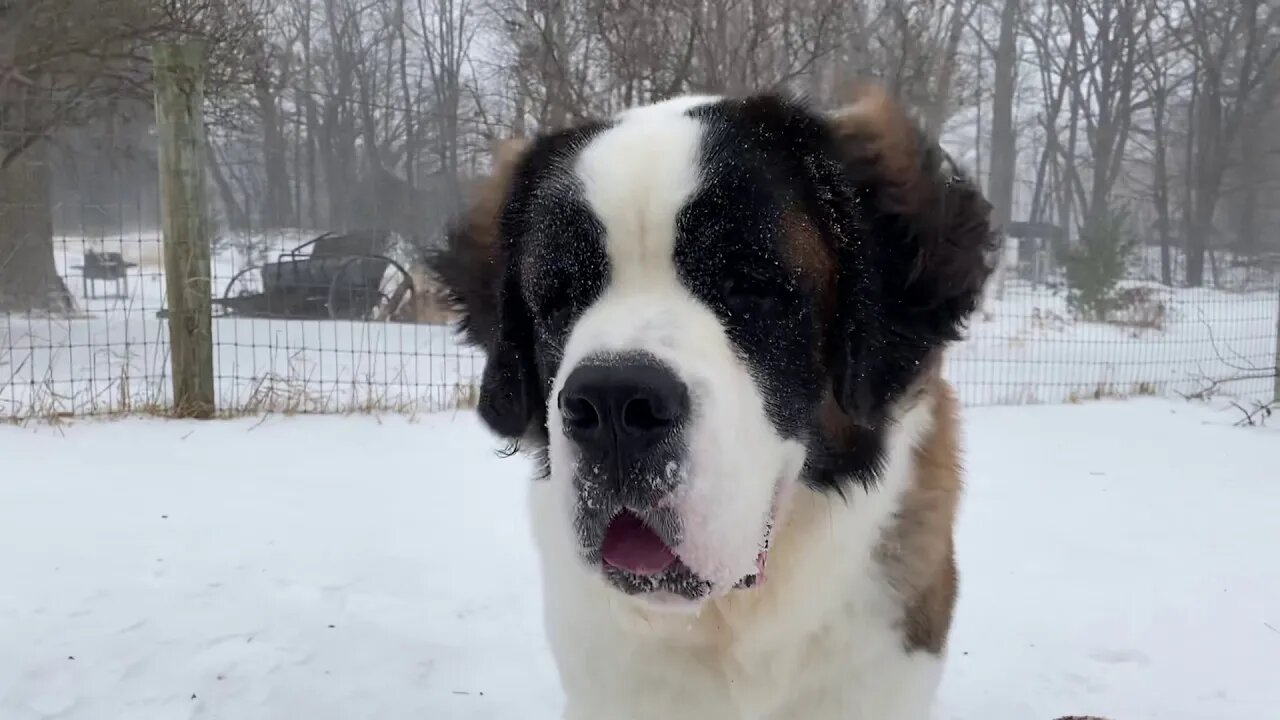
point(1108, 390)
point(296, 392)
point(272, 396)
point(1140, 308)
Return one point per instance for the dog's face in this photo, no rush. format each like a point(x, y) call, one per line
point(701, 305)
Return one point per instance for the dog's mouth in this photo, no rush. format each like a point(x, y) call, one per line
point(630, 546)
point(639, 561)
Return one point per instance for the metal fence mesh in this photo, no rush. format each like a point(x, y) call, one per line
point(111, 354)
point(1028, 347)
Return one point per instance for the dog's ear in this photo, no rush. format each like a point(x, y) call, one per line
point(477, 271)
point(470, 265)
point(915, 268)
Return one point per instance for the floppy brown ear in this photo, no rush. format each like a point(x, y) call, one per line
point(469, 266)
point(506, 152)
point(925, 259)
point(482, 285)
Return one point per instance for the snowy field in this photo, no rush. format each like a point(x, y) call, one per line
point(1117, 558)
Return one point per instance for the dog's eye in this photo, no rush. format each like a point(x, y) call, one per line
point(744, 294)
point(555, 316)
point(555, 310)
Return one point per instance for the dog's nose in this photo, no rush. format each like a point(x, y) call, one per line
point(627, 408)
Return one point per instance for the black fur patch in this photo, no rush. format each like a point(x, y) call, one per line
point(490, 280)
point(906, 282)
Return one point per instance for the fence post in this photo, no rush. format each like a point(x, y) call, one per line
point(179, 76)
point(1275, 395)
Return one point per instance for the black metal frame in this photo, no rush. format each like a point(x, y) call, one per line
point(316, 284)
point(104, 267)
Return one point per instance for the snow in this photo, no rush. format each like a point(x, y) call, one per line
point(1117, 558)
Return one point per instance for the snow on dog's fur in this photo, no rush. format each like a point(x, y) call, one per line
point(717, 322)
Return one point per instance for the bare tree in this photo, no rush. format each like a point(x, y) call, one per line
point(446, 33)
point(1236, 50)
point(1162, 79)
point(62, 62)
point(1004, 149)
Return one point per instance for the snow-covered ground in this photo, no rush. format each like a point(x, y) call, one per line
point(1117, 558)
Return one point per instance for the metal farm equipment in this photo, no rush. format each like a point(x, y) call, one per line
point(335, 276)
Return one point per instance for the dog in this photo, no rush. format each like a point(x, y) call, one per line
point(717, 325)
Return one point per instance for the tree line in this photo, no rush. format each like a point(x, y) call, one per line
point(341, 113)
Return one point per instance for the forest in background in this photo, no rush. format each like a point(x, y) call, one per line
point(1090, 123)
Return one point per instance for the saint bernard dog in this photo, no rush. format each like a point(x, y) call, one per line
point(716, 323)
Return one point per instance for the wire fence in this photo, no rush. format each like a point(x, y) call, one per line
point(112, 354)
point(1028, 345)
point(340, 316)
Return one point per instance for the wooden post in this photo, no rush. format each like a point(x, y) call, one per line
point(179, 77)
point(1275, 395)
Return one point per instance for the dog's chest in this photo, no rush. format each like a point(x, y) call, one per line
point(855, 667)
point(851, 667)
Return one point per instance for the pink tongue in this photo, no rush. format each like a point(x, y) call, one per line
point(630, 545)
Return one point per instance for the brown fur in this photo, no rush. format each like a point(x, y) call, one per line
point(809, 253)
point(429, 304)
point(469, 265)
point(814, 260)
point(917, 551)
point(490, 192)
point(506, 152)
point(886, 139)
point(884, 144)
point(908, 176)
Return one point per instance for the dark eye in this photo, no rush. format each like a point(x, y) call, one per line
point(555, 309)
point(745, 294)
point(556, 318)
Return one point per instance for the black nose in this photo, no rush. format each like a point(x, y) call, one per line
point(627, 407)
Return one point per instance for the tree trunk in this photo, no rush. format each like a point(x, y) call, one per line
point(1201, 229)
point(237, 218)
point(28, 277)
point(277, 207)
point(308, 102)
point(1207, 180)
point(940, 107)
point(1253, 177)
point(1189, 165)
point(1003, 140)
point(1160, 182)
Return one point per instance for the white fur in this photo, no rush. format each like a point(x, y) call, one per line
point(669, 107)
point(736, 459)
point(821, 639)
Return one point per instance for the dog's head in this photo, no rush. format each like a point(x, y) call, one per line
point(702, 304)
